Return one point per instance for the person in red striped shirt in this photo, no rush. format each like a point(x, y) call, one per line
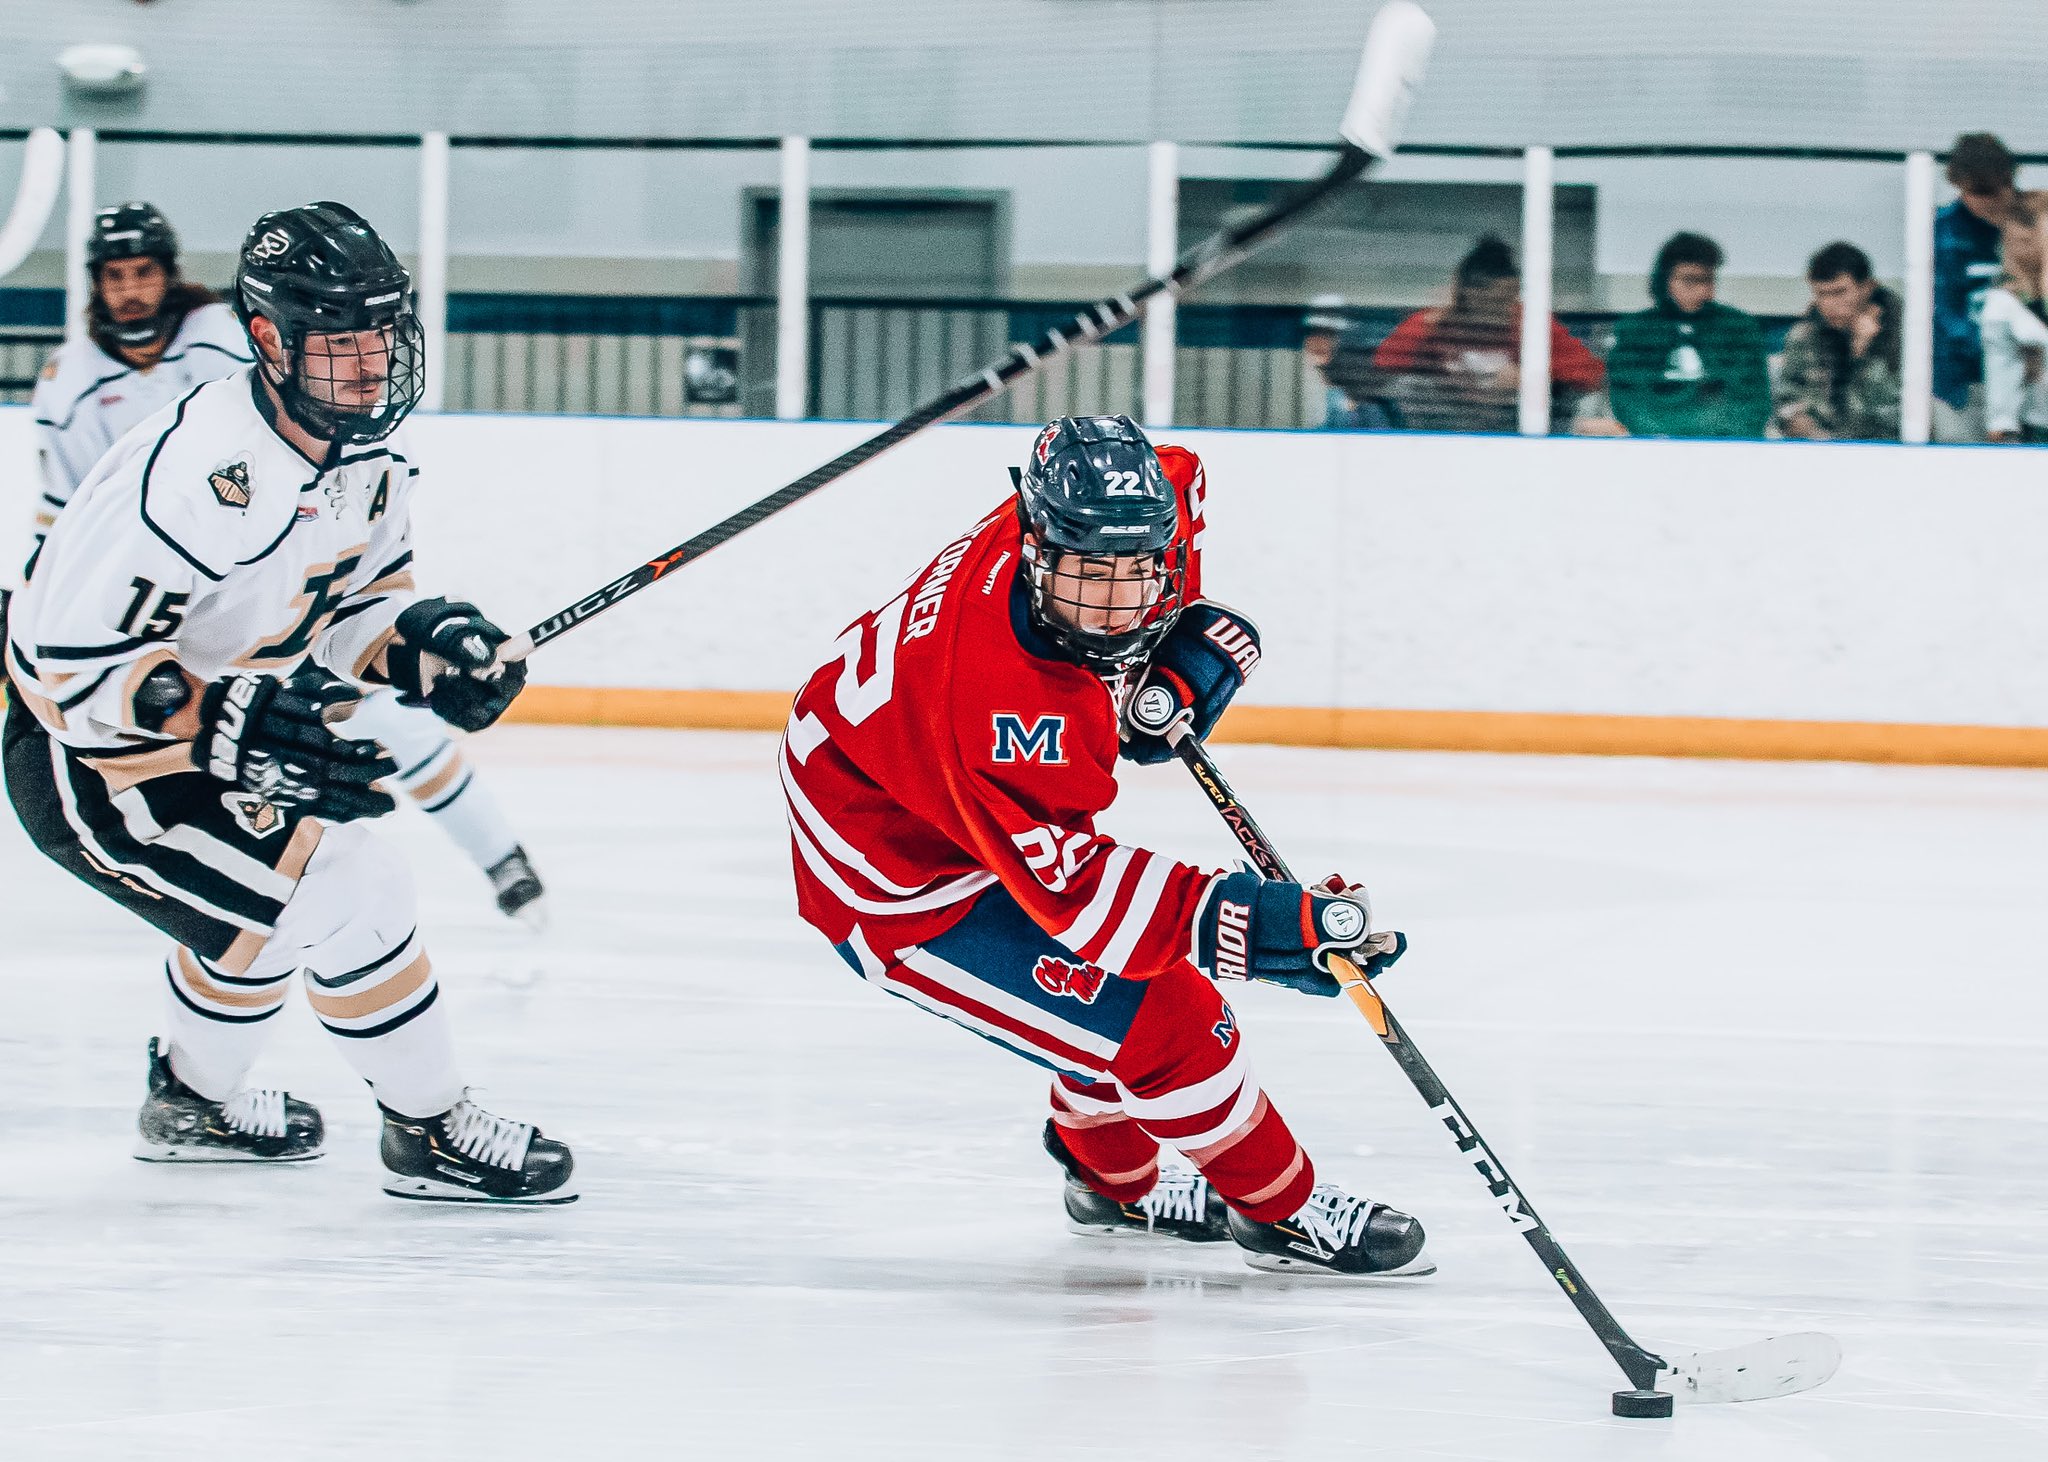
point(943, 772)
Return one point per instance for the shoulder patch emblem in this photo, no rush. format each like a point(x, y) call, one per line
point(1043, 741)
point(255, 816)
point(231, 484)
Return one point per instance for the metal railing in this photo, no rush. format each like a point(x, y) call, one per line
point(876, 359)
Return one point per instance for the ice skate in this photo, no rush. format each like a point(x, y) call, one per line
point(467, 1155)
point(519, 890)
point(177, 1124)
point(1181, 1204)
point(1335, 1233)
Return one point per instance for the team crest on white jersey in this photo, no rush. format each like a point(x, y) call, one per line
point(231, 484)
point(255, 816)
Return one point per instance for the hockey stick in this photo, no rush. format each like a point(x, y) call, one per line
point(42, 167)
point(1396, 50)
point(1780, 1366)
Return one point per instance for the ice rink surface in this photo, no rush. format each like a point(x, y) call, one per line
point(1763, 1043)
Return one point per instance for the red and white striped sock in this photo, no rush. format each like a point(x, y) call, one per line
point(1118, 1160)
point(1185, 1080)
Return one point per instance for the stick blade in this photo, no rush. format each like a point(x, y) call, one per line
point(1396, 54)
point(1784, 1365)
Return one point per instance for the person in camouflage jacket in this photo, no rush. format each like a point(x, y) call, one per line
point(1839, 377)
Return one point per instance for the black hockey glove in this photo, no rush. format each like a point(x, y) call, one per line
point(271, 738)
point(445, 658)
point(1197, 668)
point(1254, 928)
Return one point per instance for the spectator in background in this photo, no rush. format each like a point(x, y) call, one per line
point(1967, 245)
point(1459, 368)
point(1839, 380)
point(1689, 366)
point(1321, 331)
point(2014, 325)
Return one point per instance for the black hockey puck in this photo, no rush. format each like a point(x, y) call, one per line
point(1642, 1403)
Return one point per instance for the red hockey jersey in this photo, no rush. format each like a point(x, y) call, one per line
point(943, 750)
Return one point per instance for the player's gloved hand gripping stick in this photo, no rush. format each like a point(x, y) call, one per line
point(1780, 1366)
point(1396, 51)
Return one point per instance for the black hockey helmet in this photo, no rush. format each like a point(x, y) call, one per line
point(131, 231)
point(320, 270)
point(1095, 505)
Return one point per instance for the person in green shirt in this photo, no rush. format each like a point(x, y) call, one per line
point(1689, 366)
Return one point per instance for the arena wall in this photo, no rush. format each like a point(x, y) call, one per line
point(1678, 598)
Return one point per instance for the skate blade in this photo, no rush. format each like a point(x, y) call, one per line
point(1420, 1267)
point(533, 914)
point(428, 1190)
point(146, 1151)
point(1123, 1232)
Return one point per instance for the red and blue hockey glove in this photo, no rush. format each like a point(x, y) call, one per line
point(444, 656)
point(1253, 928)
point(1193, 674)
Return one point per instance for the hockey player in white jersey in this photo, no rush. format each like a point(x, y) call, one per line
point(210, 601)
point(151, 337)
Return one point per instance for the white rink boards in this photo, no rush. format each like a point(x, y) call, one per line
point(1764, 1043)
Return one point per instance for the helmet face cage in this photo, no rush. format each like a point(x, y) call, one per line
point(1106, 611)
point(351, 386)
point(1102, 549)
point(350, 359)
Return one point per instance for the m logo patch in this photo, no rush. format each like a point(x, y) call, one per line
point(231, 484)
point(1043, 741)
point(1064, 977)
point(255, 816)
point(1225, 1030)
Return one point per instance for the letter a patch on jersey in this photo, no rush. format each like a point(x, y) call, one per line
point(1043, 741)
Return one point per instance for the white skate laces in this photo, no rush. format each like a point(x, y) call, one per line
point(1333, 1218)
point(1178, 1194)
point(475, 1133)
point(258, 1112)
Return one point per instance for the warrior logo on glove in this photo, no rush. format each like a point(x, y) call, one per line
point(1154, 709)
point(1343, 922)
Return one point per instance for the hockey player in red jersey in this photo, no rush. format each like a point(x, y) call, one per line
point(943, 773)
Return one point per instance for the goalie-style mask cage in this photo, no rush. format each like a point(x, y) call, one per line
point(354, 358)
point(132, 231)
point(1102, 551)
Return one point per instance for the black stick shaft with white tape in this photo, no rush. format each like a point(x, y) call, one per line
point(1396, 50)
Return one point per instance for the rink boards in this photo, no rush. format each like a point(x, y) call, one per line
point(1740, 599)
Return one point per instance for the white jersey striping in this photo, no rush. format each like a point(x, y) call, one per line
point(86, 400)
point(205, 538)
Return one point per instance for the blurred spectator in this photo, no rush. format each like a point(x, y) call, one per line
point(1322, 330)
point(2014, 324)
point(1839, 380)
point(1459, 368)
point(1967, 244)
point(1689, 366)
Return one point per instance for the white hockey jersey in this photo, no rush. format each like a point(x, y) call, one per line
point(205, 538)
point(86, 400)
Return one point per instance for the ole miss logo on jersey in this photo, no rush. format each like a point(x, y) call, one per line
point(1064, 977)
point(1043, 741)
